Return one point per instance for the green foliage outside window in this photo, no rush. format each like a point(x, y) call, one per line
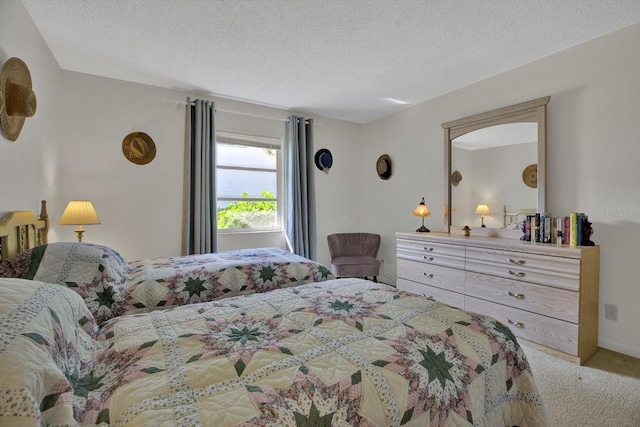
point(249, 213)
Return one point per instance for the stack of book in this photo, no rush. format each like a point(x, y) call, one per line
point(544, 228)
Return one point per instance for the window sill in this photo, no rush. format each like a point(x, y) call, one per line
point(251, 231)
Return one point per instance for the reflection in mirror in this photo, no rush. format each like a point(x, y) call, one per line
point(491, 162)
point(496, 159)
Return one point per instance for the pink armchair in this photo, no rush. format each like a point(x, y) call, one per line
point(354, 254)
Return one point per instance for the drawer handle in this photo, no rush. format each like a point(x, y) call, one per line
point(429, 275)
point(517, 274)
point(518, 296)
point(427, 249)
point(428, 258)
point(518, 262)
point(516, 324)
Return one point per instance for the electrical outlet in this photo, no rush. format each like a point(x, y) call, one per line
point(611, 312)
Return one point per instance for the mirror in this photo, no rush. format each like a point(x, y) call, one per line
point(496, 159)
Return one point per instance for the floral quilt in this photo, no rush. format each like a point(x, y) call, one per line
point(112, 287)
point(347, 352)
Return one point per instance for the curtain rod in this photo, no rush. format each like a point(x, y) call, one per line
point(252, 115)
point(256, 115)
point(245, 114)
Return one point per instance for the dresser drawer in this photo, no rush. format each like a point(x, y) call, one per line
point(447, 297)
point(543, 330)
point(559, 303)
point(431, 253)
point(446, 278)
point(546, 270)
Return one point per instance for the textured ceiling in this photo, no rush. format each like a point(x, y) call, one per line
point(338, 59)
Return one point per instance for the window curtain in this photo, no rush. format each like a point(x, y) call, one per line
point(200, 228)
point(300, 206)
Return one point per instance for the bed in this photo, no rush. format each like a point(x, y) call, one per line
point(344, 352)
point(112, 286)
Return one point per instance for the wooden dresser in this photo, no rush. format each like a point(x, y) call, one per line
point(547, 294)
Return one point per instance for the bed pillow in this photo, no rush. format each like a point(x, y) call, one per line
point(17, 266)
point(65, 262)
point(96, 272)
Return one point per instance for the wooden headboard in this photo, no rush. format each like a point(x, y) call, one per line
point(22, 230)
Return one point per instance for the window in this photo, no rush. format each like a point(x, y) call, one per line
point(247, 183)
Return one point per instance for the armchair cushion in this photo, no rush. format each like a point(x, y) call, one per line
point(355, 266)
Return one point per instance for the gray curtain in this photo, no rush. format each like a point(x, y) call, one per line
point(300, 205)
point(200, 229)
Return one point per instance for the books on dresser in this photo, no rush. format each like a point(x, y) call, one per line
point(542, 227)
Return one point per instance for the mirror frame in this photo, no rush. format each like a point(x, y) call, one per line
point(529, 111)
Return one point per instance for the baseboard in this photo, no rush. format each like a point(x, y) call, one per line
point(550, 351)
point(619, 348)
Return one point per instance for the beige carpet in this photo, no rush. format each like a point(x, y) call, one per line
point(588, 396)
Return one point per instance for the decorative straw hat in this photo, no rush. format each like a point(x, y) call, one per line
point(530, 176)
point(456, 177)
point(17, 100)
point(139, 148)
point(383, 166)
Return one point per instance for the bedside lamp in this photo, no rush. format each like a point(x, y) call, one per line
point(79, 212)
point(422, 210)
point(483, 210)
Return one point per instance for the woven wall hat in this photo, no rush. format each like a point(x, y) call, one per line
point(383, 166)
point(530, 176)
point(456, 177)
point(17, 100)
point(139, 148)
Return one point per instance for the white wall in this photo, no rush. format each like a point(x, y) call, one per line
point(593, 153)
point(27, 166)
point(71, 149)
point(339, 207)
point(140, 206)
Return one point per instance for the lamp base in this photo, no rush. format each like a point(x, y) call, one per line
point(483, 226)
point(79, 232)
point(423, 229)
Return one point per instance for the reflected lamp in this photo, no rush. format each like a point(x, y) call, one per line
point(422, 210)
point(79, 212)
point(483, 210)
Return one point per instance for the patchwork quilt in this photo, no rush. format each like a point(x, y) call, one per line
point(347, 352)
point(111, 287)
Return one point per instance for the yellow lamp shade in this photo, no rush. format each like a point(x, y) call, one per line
point(422, 210)
point(483, 210)
point(79, 212)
